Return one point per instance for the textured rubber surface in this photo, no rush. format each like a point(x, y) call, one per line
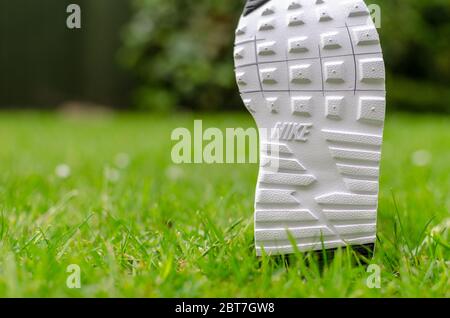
point(311, 72)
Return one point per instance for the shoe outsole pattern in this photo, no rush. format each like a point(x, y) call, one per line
point(311, 72)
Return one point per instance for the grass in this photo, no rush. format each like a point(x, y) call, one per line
point(137, 225)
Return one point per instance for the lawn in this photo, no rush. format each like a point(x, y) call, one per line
point(101, 192)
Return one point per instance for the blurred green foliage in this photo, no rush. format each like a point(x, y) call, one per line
point(181, 53)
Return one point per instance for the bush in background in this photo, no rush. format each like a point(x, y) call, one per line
point(181, 53)
point(180, 50)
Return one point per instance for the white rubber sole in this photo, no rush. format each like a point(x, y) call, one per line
point(311, 73)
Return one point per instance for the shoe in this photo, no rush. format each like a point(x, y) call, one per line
point(311, 72)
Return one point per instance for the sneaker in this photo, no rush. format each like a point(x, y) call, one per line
point(311, 72)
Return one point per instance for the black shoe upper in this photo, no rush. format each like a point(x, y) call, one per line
point(252, 5)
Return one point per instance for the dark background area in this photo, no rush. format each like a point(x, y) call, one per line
point(44, 64)
point(164, 55)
